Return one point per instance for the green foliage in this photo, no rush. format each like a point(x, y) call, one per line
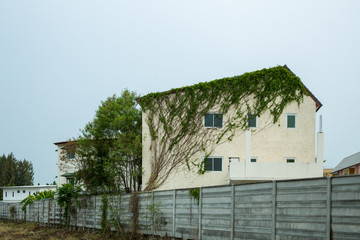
point(67, 193)
point(109, 148)
point(195, 193)
point(12, 211)
point(104, 213)
point(46, 194)
point(175, 117)
point(15, 172)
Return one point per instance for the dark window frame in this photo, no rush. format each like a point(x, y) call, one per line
point(211, 118)
point(252, 120)
point(291, 125)
point(215, 162)
point(290, 160)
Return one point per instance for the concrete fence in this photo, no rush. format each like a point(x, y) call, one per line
point(321, 208)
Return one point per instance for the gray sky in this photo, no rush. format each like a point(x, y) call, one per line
point(60, 59)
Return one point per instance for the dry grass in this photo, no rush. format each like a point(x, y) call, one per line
point(31, 231)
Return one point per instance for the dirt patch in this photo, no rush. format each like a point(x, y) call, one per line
point(31, 231)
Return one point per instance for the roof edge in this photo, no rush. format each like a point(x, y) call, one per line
point(317, 102)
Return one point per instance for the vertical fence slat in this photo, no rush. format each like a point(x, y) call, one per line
point(328, 209)
point(174, 213)
point(232, 212)
point(200, 213)
point(274, 193)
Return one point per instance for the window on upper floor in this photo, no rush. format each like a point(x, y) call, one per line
point(291, 120)
point(290, 160)
point(18, 191)
point(254, 159)
point(5, 194)
point(24, 191)
point(213, 120)
point(70, 155)
point(213, 164)
point(13, 194)
point(252, 120)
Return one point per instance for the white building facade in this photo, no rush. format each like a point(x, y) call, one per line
point(267, 151)
point(18, 193)
point(66, 165)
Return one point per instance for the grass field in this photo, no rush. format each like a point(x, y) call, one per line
point(18, 231)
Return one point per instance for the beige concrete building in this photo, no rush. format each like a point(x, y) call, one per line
point(266, 151)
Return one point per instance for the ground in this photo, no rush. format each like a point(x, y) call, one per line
point(30, 231)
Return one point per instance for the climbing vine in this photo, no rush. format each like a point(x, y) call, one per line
point(67, 194)
point(105, 227)
point(175, 117)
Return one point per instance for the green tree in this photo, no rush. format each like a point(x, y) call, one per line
point(15, 172)
point(108, 152)
point(46, 194)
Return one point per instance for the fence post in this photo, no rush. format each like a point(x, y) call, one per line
point(328, 209)
point(232, 233)
point(200, 212)
point(153, 215)
point(174, 212)
point(274, 193)
point(95, 216)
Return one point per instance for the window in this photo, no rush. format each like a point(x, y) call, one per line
point(252, 121)
point(70, 155)
point(253, 159)
point(13, 194)
point(24, 191)
point(213, 164)
point(291, 120)
point(29, 193)
point(18, 191)
point(70, 181)
point(213, 120)
point(5, 194)
point(290, 160)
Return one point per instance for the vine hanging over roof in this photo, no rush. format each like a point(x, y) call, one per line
point(175, 117)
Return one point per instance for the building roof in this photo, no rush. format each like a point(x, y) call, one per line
point(348, 162)
point(36, 186)
point(61, 143)
point(317, 102)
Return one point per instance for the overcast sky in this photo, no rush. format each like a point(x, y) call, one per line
point(60, 59)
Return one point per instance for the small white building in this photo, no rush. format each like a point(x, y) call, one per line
point(18, 193)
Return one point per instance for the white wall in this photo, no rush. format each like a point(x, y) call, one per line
point(18, 193)
point(269, 143)
point(64, 166)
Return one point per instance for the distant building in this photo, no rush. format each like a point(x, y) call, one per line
point(18, 193)
point(66, 165)
point(348, 166)
point(327, 172)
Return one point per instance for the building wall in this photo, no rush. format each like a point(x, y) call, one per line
point(269, 143)
point(346, 171)
point(18, 193)
point(64, 166)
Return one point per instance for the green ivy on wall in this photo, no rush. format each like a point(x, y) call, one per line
point(175, 117)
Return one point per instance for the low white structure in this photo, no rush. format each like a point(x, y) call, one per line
point(18, 193)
